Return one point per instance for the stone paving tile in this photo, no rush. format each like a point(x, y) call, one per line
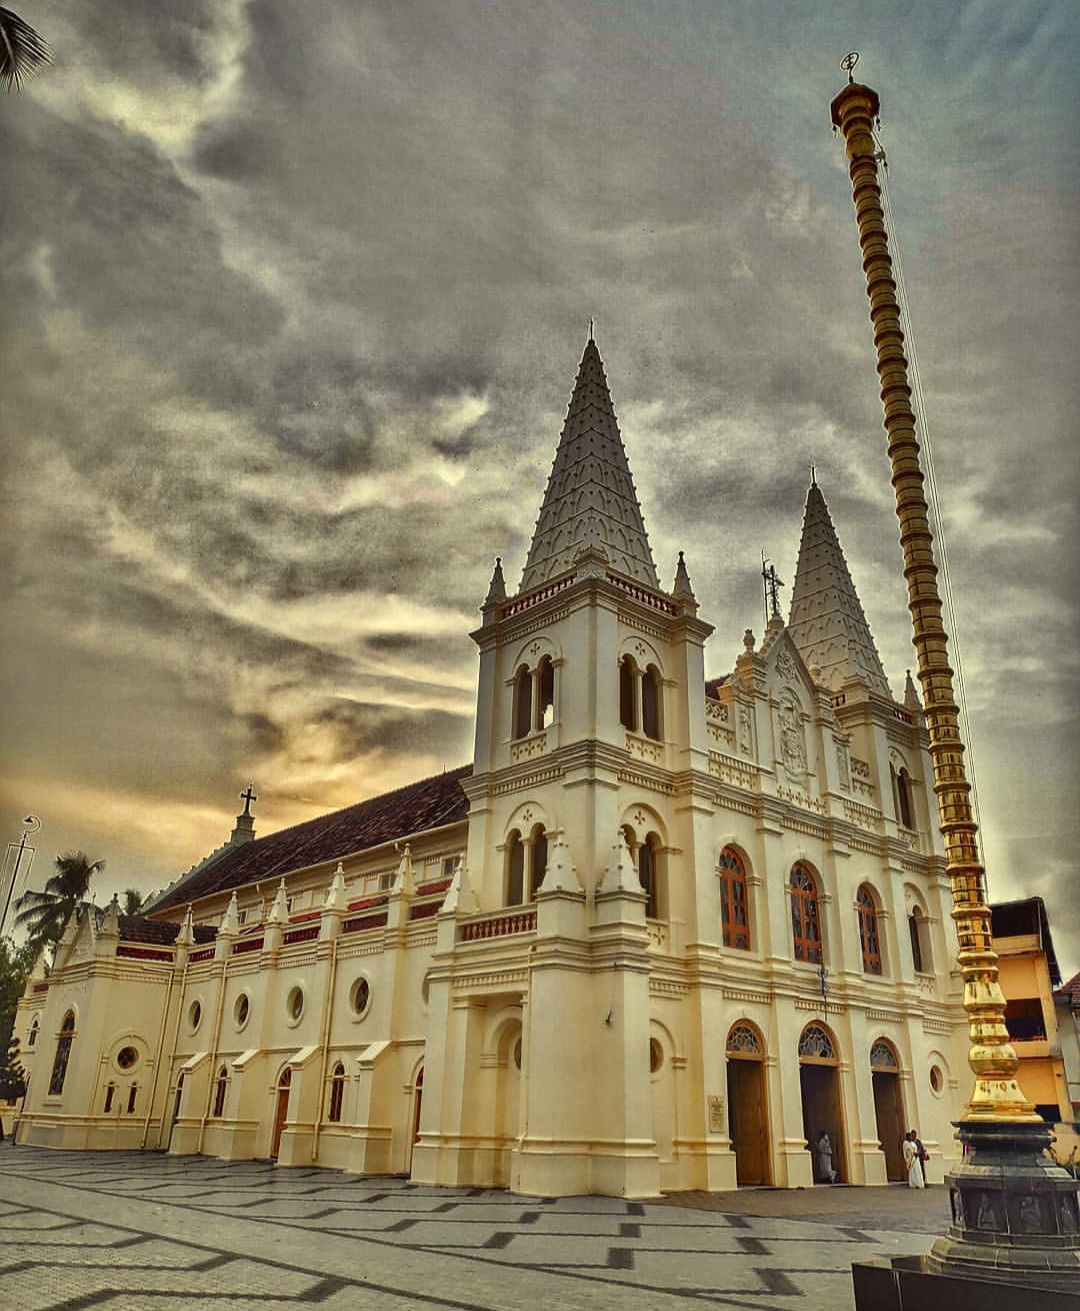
point(183, 1231)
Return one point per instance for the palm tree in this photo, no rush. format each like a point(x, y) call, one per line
point(22, 51)
point(45, 914)
point(132, 902)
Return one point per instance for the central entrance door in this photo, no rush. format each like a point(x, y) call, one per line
point(748, 1122)
point(819, 1080)
point(888, 1107)
point(281, 1111)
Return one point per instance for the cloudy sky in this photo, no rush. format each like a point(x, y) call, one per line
point(295, 297)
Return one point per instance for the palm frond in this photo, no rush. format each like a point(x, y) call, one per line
point(23, 52)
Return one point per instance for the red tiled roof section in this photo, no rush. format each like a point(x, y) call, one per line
point(431, 803)
point(1070, 992)
point(713, 685)
point(137, 928)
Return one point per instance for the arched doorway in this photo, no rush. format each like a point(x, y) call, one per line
point(507, 1100)
point(819, 1080)
point(888, 1106)
point(176, 1107)
point(748, 1117)
point(281, 1110)
point(418, 1098)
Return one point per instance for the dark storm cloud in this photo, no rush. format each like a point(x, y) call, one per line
point(300, 294)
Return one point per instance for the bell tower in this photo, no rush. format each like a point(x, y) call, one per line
point(581, 849)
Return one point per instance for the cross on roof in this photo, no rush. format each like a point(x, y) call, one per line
point(248, 797)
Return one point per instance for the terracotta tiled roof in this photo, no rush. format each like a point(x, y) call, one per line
point(428, 804)
point(137, 928)
point(713, 685)
point(1070, 992)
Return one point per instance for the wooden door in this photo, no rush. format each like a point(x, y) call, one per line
point(281, 1112)
point(889, 1114)
point(747, 1121)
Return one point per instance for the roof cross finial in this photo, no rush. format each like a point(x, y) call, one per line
point(772, 584)
point(248, 797)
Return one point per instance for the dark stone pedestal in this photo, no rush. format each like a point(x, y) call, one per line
point(1015, 1233)
point(906, 1284)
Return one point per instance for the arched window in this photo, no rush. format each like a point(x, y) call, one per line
point(337, 1093)
point(522, 701)
point(219, 1093)
point(131, 1098)
point(515, 870)
point(650, 703)
point(868, 931)
point(31, 1037)
point(648, 876)
point(920, 940)
point(545, 674)
point(628, 693)
point(63, 1055)
point(110, 1090)
point(805, 925)
point(733, 900)
point(901, 786)
point(538, 848)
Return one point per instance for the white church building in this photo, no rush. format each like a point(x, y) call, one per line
point(661, 934)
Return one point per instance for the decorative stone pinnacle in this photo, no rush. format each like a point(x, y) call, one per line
point(403, 879)
point(279, 910)
point(748, 641)
point(186, 936)
point(620, 875)
point(230, 921)
point(497, 589)
point(682, 589)
point(911, 693)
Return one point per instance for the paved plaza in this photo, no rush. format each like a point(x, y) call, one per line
point(127, 1231)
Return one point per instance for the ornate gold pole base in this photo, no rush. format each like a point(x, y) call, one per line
point(1014, 1212)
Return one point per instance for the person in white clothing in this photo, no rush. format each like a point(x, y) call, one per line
point(913, 1162)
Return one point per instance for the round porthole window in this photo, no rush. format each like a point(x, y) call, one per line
point(294, 1004)
point(937, 1080)
point(126, 1057)
point(656, 1055)
point(360, 997)
point(241, 1010)
point(194, 1015)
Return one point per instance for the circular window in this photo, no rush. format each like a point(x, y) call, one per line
point(937, 1080)
point(194, 1015)
point(241, 1010)
point(126, 1057)
point(360, 996)
point(517, 1054)
point(294, 1004)
point(656, 1055)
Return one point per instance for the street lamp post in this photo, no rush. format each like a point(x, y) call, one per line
point(31, 824)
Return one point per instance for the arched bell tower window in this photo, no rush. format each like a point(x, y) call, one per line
point(522, 701)
point(868, 931)
point(31, 1037)
point(918, 929)
point(515, 869)
point(805, 921)
point(538, 853)
point(648, 863)
point(734, 903)
point(901, 786)
point(628, 694)
point(545, 689)
point(63, 1055)
point(650, 703)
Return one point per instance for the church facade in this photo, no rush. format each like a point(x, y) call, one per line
point(663, 933)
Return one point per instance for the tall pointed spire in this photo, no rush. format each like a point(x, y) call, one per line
point(590, 502)
point(827, 623)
